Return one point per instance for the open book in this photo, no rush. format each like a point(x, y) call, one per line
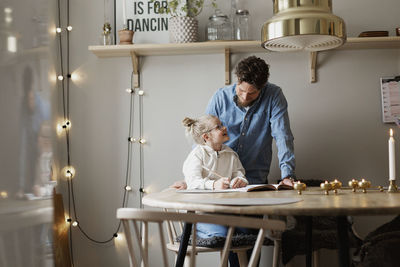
point(248, 188)
point(264, 187)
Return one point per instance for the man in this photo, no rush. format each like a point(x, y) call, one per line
point(255, 111)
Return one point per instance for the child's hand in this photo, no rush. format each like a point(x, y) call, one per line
point(237, 183)
point(222, 183)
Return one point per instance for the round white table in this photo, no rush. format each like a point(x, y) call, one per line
point(313, 203)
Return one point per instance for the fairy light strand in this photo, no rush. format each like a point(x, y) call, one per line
point(65, 85)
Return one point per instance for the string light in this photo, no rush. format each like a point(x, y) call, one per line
point(129, 90)
point(141, 92)
point(74, 77)
point(3, 194)
point(132, 139)
point(119, 237)
point(128, 188)
point(68, 171)
point(67, 124)
point(63, 126)
point(142, 141)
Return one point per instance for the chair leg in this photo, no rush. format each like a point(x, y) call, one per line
point(224, 264)
point(187, 261)
point(315, 258)
point(277, 253)
point(242, 255)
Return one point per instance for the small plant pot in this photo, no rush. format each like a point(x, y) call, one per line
point(125, 37)
point(183, 29)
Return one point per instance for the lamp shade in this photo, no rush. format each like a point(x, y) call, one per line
point(303, 25)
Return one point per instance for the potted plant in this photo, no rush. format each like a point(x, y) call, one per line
point(183, 25)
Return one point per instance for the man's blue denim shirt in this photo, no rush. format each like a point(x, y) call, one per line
point(251, 131)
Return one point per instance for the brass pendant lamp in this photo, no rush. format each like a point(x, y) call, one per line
point(303, 25)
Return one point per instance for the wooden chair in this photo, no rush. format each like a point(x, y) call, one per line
point(145, 216)
point(173, 245)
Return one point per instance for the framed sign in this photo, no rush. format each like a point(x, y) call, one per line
point(144, 18)
point(390, 89)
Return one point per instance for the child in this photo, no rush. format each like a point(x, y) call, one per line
point(211, 164)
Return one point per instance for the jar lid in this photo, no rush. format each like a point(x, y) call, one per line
point(218, 15)
point(242, 12)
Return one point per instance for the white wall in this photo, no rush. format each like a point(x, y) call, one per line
point(336, 122)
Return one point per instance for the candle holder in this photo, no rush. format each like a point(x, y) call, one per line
point(336, 184)
point(353, 184)
point(392, 186)
point(326, 187)
point(299, 186)
point(364, 184)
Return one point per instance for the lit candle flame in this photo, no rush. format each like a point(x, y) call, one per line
point(391, 132)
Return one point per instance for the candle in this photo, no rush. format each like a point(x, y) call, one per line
point(392, 161)
point(124, 13)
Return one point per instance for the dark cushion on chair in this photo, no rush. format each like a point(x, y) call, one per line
point(324, 235)
point(381, 246)
point(238, 240)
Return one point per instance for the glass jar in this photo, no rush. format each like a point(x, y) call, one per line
point(218, 27)
point(241, 22)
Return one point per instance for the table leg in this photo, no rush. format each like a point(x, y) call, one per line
point(343, 241)
point(187, 229)
point(308, 247)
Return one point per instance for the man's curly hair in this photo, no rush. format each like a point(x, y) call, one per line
point(253, 70)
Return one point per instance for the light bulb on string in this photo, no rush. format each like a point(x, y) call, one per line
point(3, 194)
point(119, 237)
point(140, 92)
point(69, 28)
point(60, 77)
point(132, 139)
point(142, 141)
point(61, 126)
point(75, 224)
point(67, 124)
point(129, 90)
point(128, 188)
point(74, 77)
point(68, 171)
point(58, 30)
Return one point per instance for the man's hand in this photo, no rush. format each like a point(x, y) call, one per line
point(180, 185)
point(237, 183)
point(222, 183)
point(287, 181)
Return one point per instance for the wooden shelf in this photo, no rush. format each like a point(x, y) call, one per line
point(226, 47)
point(233, 46)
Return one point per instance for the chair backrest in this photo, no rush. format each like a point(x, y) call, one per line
point(146, 216)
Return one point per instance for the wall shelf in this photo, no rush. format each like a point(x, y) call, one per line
point(227, 47)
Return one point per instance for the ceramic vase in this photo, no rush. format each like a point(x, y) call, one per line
point(183, 29)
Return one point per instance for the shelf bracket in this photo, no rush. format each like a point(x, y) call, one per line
point(313, 63)
point(227, 67)
point(135, 65)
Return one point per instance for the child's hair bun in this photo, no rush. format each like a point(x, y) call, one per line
point(188, 122)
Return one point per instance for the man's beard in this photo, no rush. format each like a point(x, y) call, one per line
point(243, 104)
